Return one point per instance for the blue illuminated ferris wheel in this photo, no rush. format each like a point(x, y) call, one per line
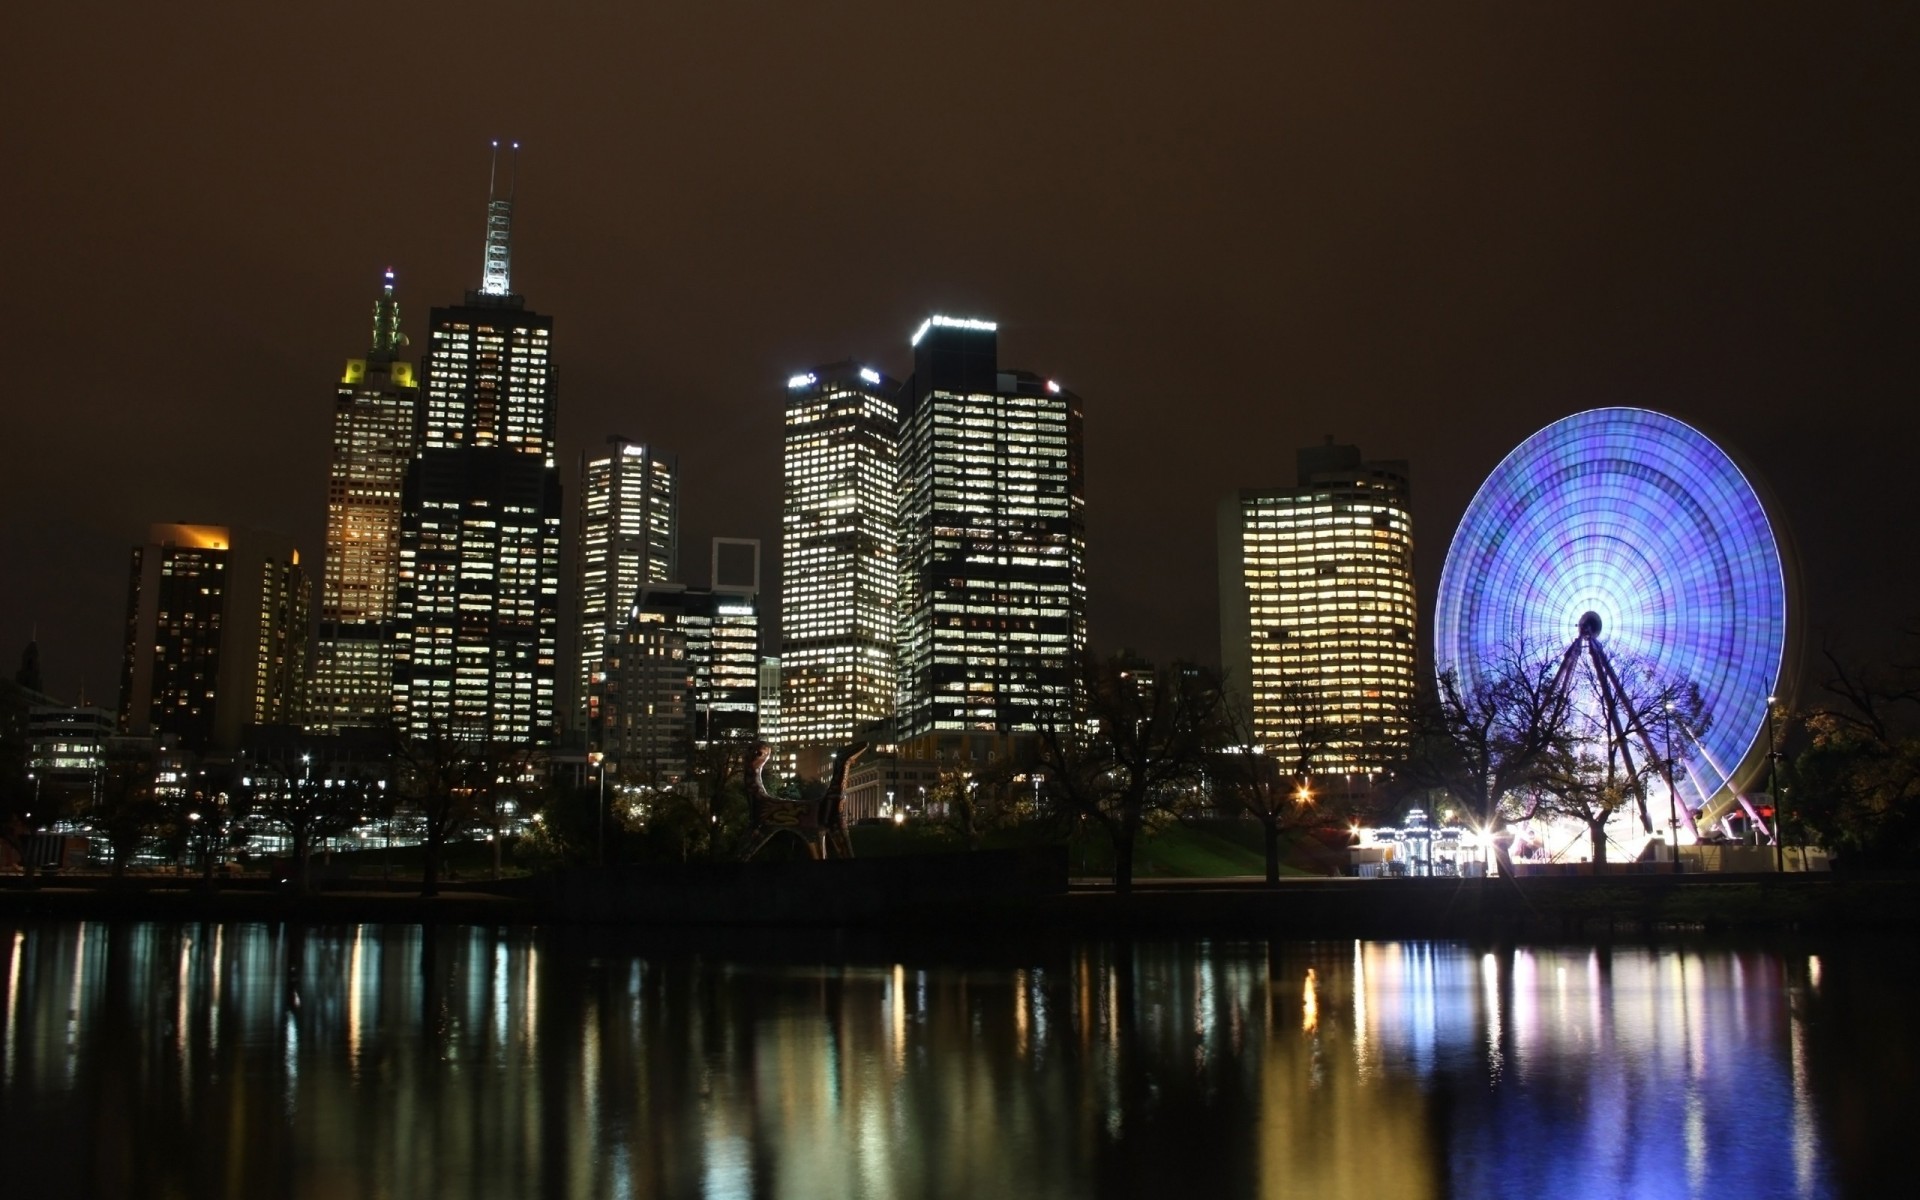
point(1625, 535)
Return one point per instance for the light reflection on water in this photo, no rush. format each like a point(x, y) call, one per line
point(388, 1061)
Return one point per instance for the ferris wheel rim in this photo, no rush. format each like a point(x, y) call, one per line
point(1734, 521)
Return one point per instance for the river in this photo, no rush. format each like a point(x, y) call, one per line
point(408, 1062)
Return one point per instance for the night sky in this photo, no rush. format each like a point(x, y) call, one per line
point(1233, 228)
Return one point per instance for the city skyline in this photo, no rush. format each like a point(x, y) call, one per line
point(1719, 236)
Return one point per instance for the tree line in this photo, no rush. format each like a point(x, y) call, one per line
point(1145, 745)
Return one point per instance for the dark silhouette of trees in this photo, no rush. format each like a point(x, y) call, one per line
point(1271, 781)
point(1594, 768)
point(306, 809)
point(1856, 784)
point(129, 808)
point(1137, 748)
point(457, 786)
point(1520, 740)
point(1479, 741)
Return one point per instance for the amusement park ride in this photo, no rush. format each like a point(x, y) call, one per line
point(1639, 535)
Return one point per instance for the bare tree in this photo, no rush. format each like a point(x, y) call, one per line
point(1610, 744)
point(307, 810)
point(1271, 779)
point(1575, 782)
point(129, 808)
point(1138, 747)
point(456, 785)
point(1480, 740)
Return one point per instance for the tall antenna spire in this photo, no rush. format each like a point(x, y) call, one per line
point(387, 338)
point(497, 271)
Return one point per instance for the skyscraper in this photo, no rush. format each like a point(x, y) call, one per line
point(1317, 609)
point(475, 646)
point(839, 590)
point(629, 536)
point(216, 635)
point(992, 529)
point(684, 671)
point(376, 413)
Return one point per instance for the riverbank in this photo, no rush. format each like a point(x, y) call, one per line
point(1025, 892)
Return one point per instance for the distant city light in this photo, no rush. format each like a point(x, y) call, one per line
point(869, 374)
point(800, 381)
point(1053, 387)
point(952, 323)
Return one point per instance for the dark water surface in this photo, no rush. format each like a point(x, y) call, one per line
point(392, 1061)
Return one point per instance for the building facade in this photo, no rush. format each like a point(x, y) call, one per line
point(476, 636)
point(840, 569)
point(629, 537)
point(66, 753)
point(992, 529)
point(376, 433)
point(216, 635)
point(685, 675)
point(1317, 610)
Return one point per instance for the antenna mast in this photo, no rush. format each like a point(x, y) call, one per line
point(496, 278)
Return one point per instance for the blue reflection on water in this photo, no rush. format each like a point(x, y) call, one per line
point(380, 1061)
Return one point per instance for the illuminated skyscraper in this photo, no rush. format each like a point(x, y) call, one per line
point(475, 648)
point(629, 536)
point(216, 635)
point(684, 672)
point(376, 412)
point(1317, 609)
point(992, 528)
point(839, 590)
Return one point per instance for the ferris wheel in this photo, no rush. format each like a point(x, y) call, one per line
point(1624, 535)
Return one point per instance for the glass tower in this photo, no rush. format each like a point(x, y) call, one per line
point(839, 590)
point(1317, 610)
point(992, 529)
point(629, 536)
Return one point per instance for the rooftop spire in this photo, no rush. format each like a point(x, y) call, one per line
point(497, 270)
point(387, 338)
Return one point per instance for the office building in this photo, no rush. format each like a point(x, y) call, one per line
point(1317, 610)
point(476, 636)
point(840, 577)
point(376, 413)
point(66, 752)
point(629, 536)
point(216, 635)
point(992, 543)
point(770, 699)
point(686, 672)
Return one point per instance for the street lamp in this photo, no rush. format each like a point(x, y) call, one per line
point(1773, 793)
point(1673, 791)
point(600, 760)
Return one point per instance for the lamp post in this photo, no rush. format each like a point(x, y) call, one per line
point(1673, 793)
point(600, 760)
point(1773, 793)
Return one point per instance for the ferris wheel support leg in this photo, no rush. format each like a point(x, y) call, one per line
point(1616, 699)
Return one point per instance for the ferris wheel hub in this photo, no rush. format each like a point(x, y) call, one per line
point(1589, 624)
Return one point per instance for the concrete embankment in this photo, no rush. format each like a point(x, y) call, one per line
point(1026, 893)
